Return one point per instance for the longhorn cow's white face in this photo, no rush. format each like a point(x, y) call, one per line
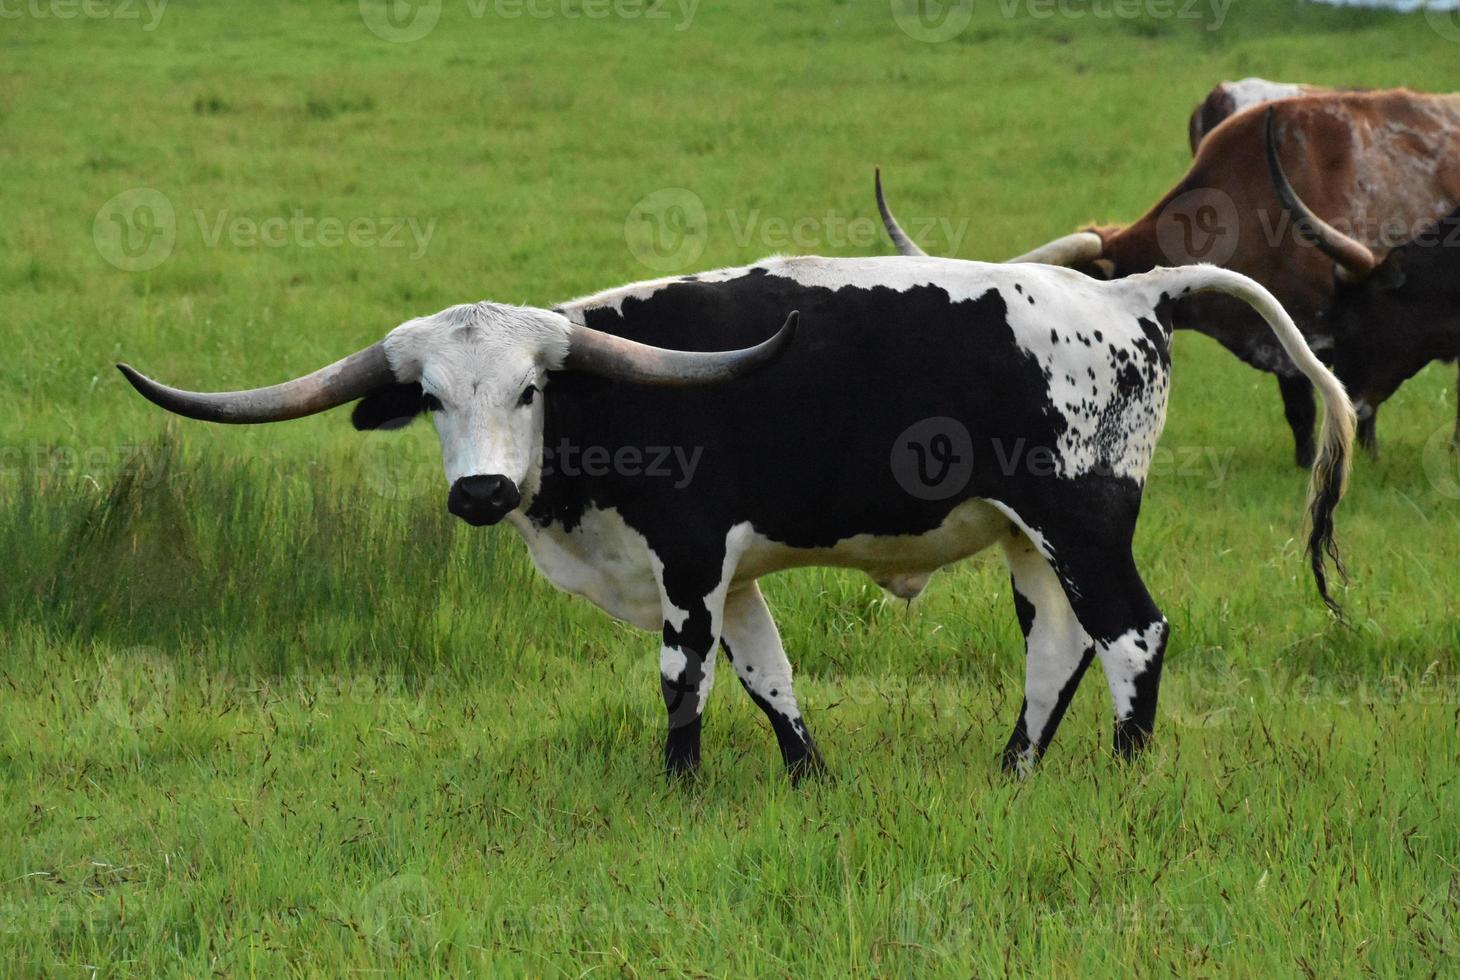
point(482, 368)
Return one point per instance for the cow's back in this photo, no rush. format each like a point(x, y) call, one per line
point(1027, 372)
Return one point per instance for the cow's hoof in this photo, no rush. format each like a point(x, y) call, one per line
point(1306, 457)
point(810, 767)
point(1131, 740)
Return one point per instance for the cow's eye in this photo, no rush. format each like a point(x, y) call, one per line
point(528, 394)
point(430, 403)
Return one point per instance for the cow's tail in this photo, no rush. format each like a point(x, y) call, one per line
point(1331, 471)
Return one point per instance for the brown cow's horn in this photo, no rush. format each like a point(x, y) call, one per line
point(1078, 249)
point(343, 381)
point(595, 352)
point(905, 245)
point(1356, 261)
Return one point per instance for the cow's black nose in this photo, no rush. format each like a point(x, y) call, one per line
point(482, 500)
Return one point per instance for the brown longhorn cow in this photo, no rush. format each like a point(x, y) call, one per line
point(1382, 165)
point(1391, 317)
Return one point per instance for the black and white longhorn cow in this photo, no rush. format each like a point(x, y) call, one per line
point(927, 409)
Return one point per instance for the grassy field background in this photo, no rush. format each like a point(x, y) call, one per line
point(265, 708)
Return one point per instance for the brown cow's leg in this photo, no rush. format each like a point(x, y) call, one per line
point(1369, 431)
point(1455, 441)
point(1298, 406)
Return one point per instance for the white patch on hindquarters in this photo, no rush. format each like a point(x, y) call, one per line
point(1126, 658)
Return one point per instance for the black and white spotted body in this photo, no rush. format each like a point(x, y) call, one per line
point(927, 409)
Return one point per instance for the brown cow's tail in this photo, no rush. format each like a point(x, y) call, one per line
point(1331, 471)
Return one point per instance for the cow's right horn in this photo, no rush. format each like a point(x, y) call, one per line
point(1355, 260)
point(343, 381)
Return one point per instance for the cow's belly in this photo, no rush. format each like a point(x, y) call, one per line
point(901, 564)
point(611, 565)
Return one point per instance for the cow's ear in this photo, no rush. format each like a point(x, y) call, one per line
point(394, 406)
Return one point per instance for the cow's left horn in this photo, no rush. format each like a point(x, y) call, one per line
point(343, 381)
point(1355, 260)
point(1078, 249)
point(596, 352)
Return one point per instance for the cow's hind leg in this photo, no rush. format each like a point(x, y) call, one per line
point(1088, 543)
point(1057, 652)
point(753, 644)
point(1302, 416)
point(1129, 633)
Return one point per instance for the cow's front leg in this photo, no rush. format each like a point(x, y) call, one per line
point(692, 622)
point(685, 678)
point(1455, 440)
point(1368, 428)
point(753, 645)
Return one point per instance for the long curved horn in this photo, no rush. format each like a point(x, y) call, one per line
point(1078, 249)
point(343, 381)
point(905, 245)
point(595, 352)
point(1355, 260)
